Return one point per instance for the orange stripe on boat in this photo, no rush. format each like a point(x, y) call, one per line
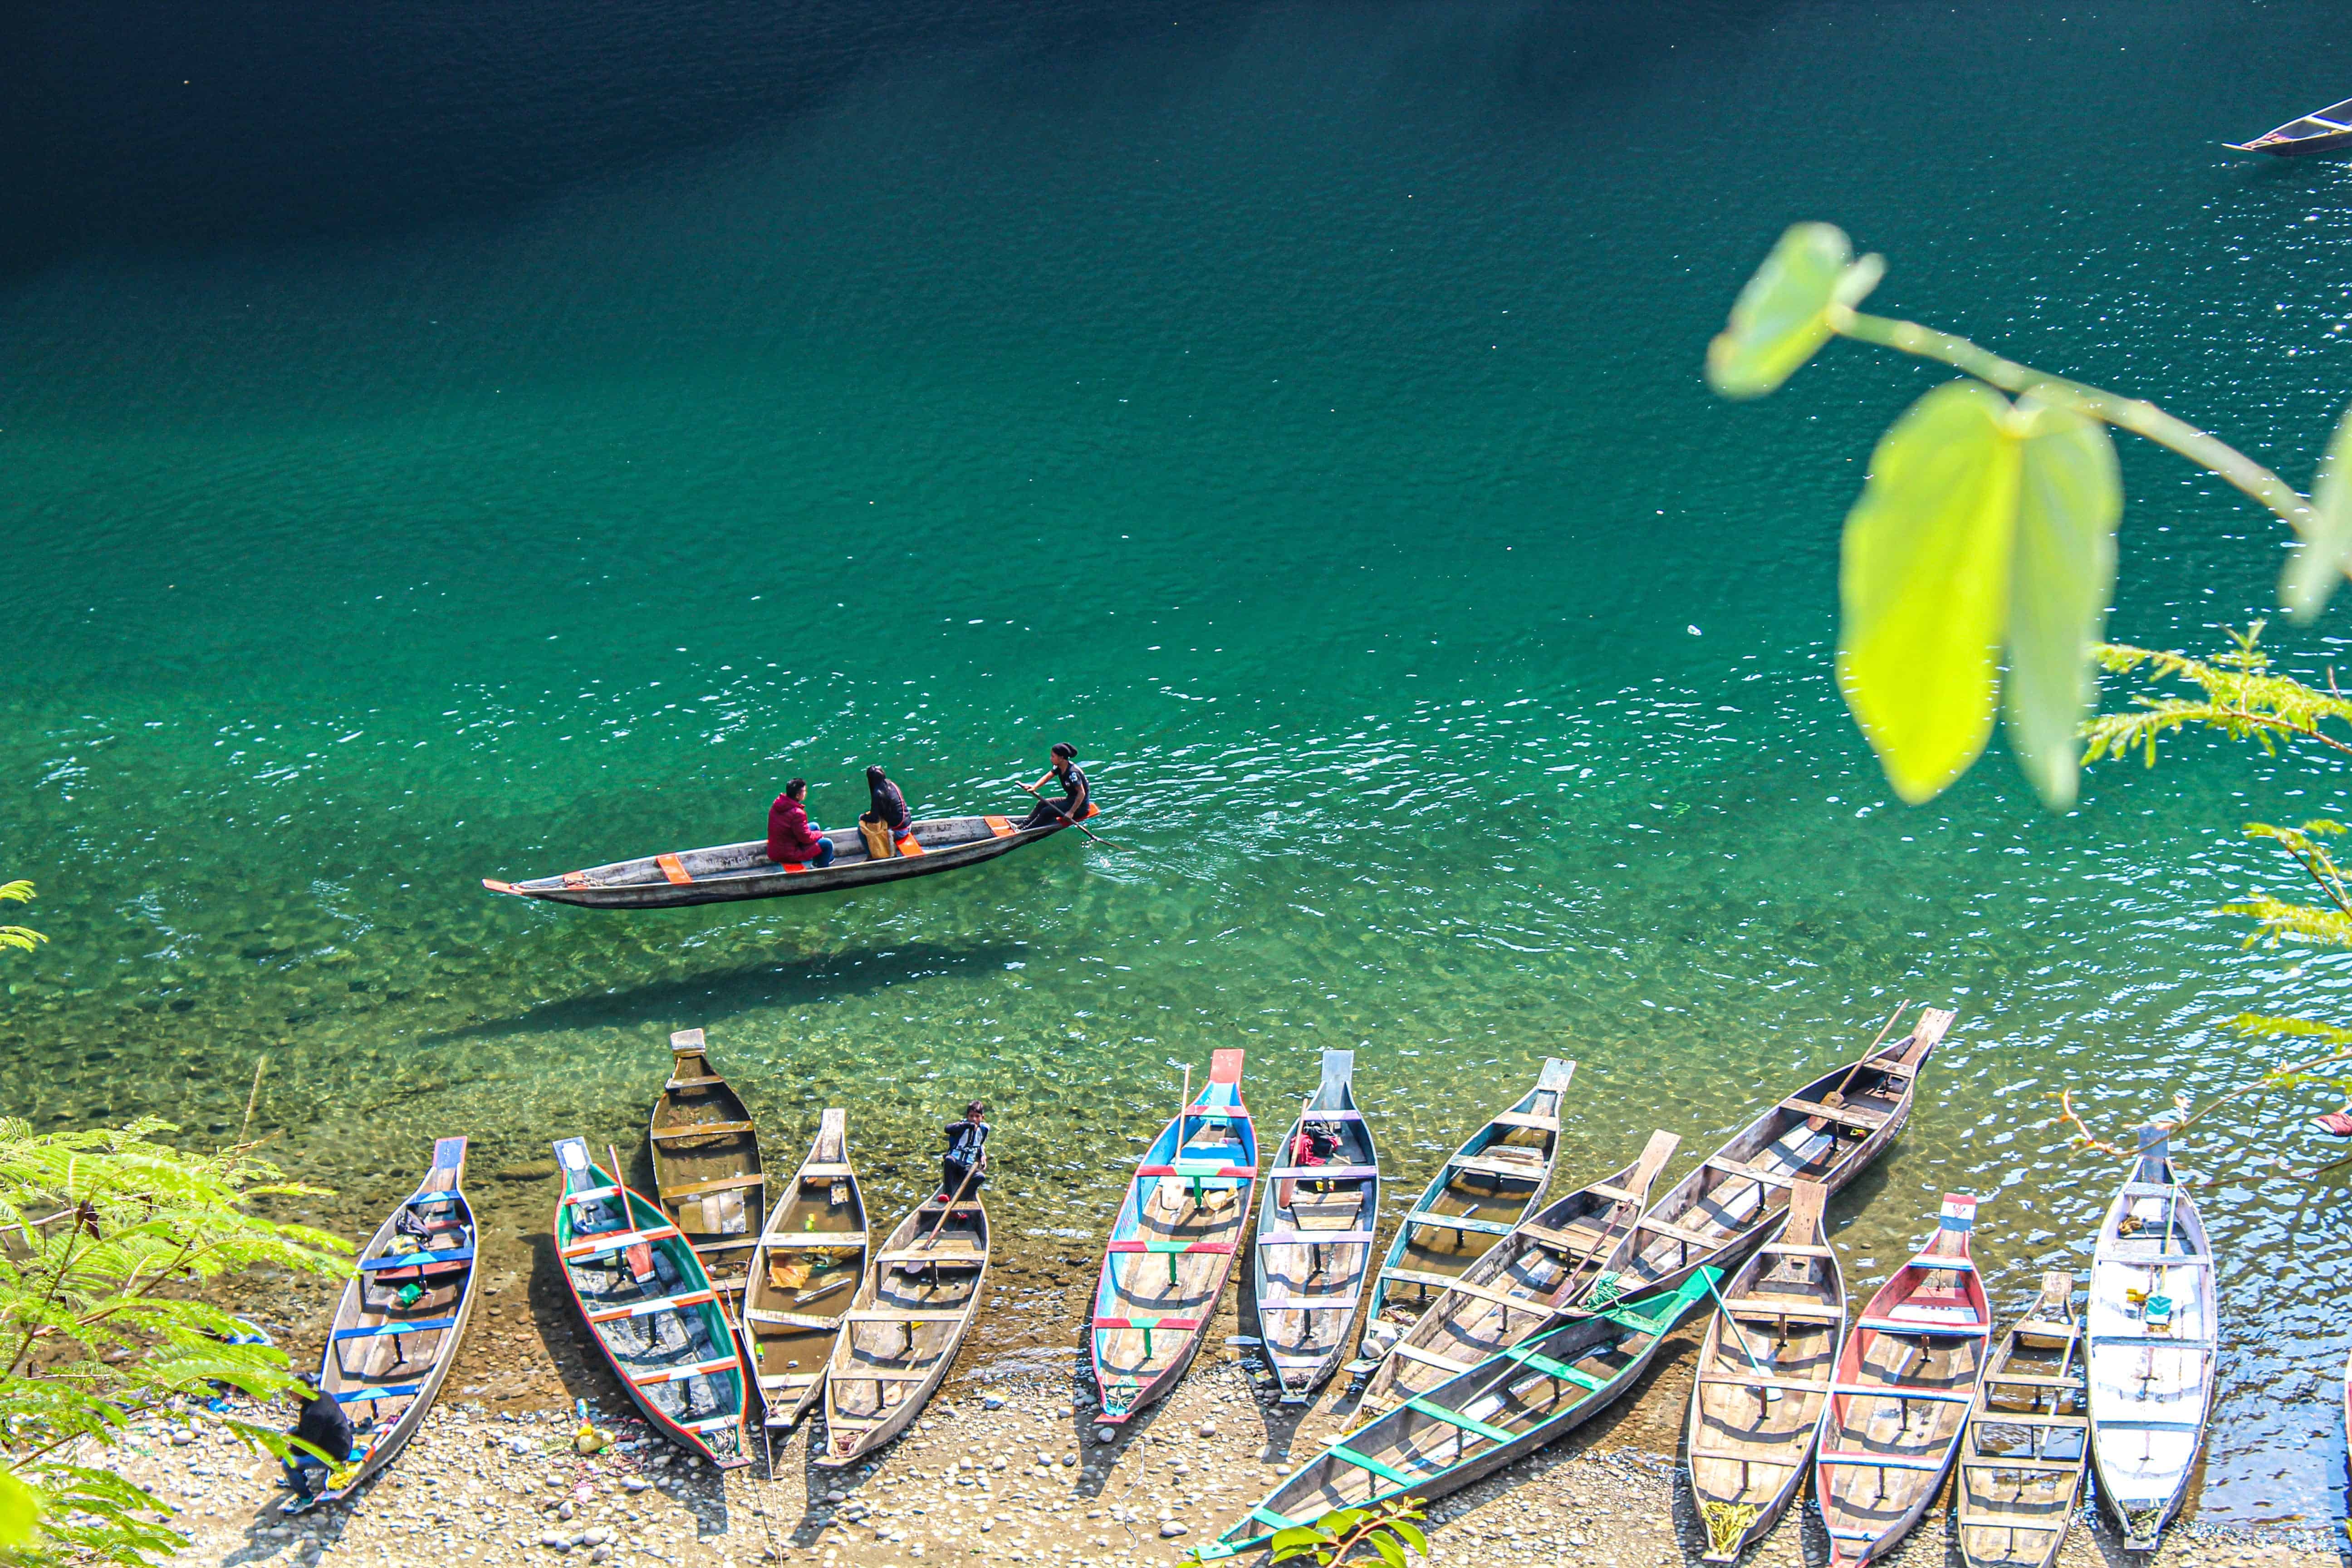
point(498, 886)
point(575, 879)
point(674, 868)
point(1000, 826)
point(906, 845)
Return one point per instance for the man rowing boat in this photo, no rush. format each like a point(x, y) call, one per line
point(1077, 794)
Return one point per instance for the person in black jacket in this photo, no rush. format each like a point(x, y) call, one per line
point(888, 807)
point(323, 1425)
point(967, 1154)
point(1077, 794)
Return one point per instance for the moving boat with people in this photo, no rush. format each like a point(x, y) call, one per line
point(647, 1301)
point(399, 1322)
point(2151, 1330)
point(2028, 1439)
point(707, 1169)
point(1315, 1240)
point(1905, 1383)
point(725, 873)
point(804, 1274)
point(1172, 1244)
point(1481, 1193)
point(1763, 1380)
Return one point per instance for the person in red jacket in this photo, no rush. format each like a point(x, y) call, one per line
point(792, 839)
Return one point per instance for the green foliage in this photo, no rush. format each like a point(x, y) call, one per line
point(110, 1236)
point(1388, 1527)
point(18, 892)
point(2319, 563)
point(2240, 699)
point(1985, 532)
point(1983, 524)
point(1782, 317)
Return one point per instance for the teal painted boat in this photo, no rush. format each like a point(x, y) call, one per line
point(1504, 1409)
point(650, 1305)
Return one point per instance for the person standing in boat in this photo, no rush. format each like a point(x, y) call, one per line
point(792, 840)
point(887, 820)
point(1077, 794)
point(967, 1155)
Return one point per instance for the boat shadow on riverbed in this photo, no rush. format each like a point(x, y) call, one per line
point(712, 996)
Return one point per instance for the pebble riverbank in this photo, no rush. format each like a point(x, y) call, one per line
point(1004, 1468)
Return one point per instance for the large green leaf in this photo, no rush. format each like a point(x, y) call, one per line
point(2064, 569)
point(1781, 317)
point(1923, 586)
point(20, 1510)
point(2319, 562)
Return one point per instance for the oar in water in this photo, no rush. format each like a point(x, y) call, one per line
point(1073, 822)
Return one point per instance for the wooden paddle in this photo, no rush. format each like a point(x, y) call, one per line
point(954, 1199)
point(1836, 1097)
point(1072, 822)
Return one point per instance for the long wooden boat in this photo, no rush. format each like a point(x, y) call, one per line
point(1763, 1380)
point(1905, 1383)
point(1474, 1424)
point(2322, 130)
point(1481, 1191)
point(2152, 1330)
point(1522, 1283)
point(647, 1301)
point(1314, 1241)
point(2028, 1439)
point(706, 1170)
point(1828, 1132)
point(725, 873)
point(915, 1305)
point(399, 1322)
point(1171, 1248)
point(805, 1276)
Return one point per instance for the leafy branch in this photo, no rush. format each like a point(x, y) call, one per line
point(1978, 562)
point(1388, 1527)
point(21, 937)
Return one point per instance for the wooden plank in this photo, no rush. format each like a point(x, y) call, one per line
point(720, 1184)
point(701, 1129)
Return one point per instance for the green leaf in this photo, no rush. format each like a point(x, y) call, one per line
point(1781, 318)
point(1924, 584)
point(2318, 563)
point(20, 1510)
point(2069, 500)
point(1302, 1536)
point(1414, 1536)
point(1390, 1553)
point(1340, 1521)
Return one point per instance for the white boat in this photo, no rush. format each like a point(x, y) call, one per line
point(2152, 1344)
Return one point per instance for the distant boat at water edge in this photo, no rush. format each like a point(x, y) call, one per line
point(2322, 130)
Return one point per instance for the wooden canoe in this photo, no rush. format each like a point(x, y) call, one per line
point(2151, 1328)
point(1827, 1131)
point(1904, 1381)
point(1521, 1283)
point(1763, 1379)
point(805, 1276)
point(1481, 1191)
point(725, 873)
point(1474, 1424)
point(647, 1300)
point(706, 1170)
point(398, 1325)
point(900, 1337)
point(1315, 1239)
point(1171, 1245)
point(2028, 1439)
point(2322, 130)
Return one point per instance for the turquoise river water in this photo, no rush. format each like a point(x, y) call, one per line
point(436, 444)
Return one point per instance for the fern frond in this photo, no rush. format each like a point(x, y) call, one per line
point(2277, 920)
point(2272, 1027)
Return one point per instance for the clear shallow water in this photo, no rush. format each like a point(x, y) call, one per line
point(504, 444)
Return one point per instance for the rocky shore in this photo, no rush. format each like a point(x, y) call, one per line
point(1005, 1466)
